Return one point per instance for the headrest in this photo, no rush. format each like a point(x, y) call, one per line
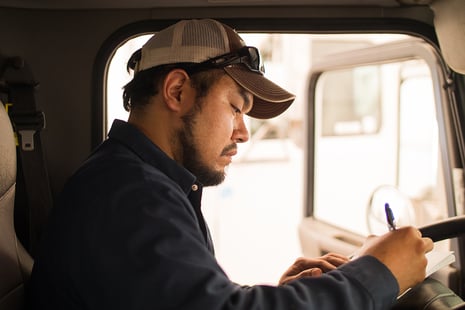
point(7, 152)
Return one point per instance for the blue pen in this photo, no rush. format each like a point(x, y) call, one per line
point(390, 217)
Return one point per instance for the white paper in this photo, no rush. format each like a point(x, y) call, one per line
point(438, 259)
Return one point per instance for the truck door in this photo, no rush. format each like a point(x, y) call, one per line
point(380, 131)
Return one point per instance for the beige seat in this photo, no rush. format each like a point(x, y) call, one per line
point(15, 262)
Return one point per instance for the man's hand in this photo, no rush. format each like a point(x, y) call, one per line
point(403, 252)
point(312, 267)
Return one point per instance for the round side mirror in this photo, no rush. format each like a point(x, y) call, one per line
point(400, 204)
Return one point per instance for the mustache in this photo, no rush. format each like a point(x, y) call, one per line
point(227, 149)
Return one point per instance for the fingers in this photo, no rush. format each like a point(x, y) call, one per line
point(312, 272)
point(336, 259)
point(326, 262)
point(429, 244)
point(305, 267)
point(426, 243)
point(395, 248)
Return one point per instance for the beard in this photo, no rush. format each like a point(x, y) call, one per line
point(191, 156)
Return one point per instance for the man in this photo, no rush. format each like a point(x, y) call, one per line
point(128, 231)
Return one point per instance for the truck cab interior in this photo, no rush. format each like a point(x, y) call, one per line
point(379, 117)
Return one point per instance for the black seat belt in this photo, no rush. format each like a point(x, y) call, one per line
point(33, 199)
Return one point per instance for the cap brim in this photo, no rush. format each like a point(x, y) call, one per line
point(270, 100)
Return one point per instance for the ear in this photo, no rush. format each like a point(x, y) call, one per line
point(173, 87)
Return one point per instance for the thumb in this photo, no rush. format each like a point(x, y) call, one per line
point(312, 272)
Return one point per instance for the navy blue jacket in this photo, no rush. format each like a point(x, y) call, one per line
point(128, 233)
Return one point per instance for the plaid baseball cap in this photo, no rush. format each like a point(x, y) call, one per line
point(211, 43)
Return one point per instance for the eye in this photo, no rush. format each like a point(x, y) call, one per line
point(236, 109)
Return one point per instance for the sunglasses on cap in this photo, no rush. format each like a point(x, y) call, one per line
point(247, 55)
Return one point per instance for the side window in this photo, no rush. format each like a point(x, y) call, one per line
point(118, 76)
point(377, 143)
point(355, 108)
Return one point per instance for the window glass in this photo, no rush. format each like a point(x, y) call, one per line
point(353, 109)
point(118, 76)
point(395, 158)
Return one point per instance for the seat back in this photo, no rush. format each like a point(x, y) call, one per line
point(15, 262)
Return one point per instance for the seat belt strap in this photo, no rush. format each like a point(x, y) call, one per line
point(33, 200)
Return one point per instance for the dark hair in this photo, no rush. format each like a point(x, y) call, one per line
point(146, 83)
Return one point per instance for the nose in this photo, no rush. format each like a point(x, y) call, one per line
point(240, 133)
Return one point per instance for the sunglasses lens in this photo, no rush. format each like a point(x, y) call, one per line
point(247, 55)
point(255, 60)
